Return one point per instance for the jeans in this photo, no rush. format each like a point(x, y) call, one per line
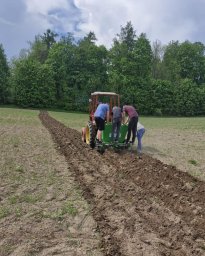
point(140, 134)
point(116, 124)
point(132, 127)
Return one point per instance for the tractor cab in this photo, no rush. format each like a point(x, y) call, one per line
point(111, 98)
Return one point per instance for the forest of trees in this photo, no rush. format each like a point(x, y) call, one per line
point(158, 79)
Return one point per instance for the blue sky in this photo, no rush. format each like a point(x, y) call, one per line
point(163, 20)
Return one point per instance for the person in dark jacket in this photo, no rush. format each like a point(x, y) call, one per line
point(132, 114)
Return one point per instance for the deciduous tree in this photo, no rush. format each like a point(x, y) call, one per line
point(4, 76)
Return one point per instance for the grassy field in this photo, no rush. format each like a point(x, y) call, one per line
point(77, 121)
point(42, 211)
point(38, 194)
point(173, 140)
point(14, 116)
point(72, 120)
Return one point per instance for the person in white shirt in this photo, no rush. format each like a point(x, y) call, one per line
point(139, 134)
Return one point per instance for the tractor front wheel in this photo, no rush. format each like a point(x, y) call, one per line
point(90, 134)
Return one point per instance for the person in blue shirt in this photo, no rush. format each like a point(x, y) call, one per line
point(101, 114)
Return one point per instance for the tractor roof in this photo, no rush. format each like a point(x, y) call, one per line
point(104, 93)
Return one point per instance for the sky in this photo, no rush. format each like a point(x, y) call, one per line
point(163, 20)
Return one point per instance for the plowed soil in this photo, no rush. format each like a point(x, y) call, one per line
point(141, 206)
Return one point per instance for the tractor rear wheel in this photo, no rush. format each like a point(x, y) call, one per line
point(90, 134)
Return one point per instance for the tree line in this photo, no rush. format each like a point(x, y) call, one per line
point(158, 79)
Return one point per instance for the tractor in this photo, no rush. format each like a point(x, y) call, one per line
point(89, 132)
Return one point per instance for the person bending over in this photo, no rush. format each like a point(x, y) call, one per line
point(101, 113)
point(132, 122)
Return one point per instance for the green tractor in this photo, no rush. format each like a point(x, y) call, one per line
point(89, 132)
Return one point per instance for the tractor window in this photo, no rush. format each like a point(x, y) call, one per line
point(112, 100)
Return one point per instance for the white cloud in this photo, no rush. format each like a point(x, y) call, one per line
point(44, 6)
point(45, 12)
point(33, 17)
point(165, 20)
point(160, 19)
point(103, 17)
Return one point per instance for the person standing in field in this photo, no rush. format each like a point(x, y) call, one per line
point(100, 115)
point(132, 121)
point(116, 123)
point(139, 134)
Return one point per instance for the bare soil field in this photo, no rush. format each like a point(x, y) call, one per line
point(140, 206)
point(177, 141)
point(42, 211)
